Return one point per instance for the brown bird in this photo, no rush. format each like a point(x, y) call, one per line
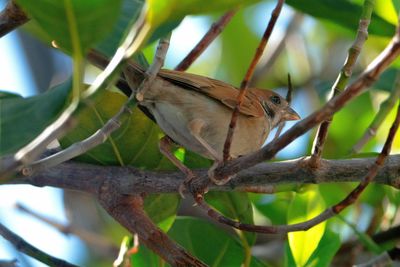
point(195, 112)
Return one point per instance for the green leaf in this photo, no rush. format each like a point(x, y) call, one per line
point(237, 206)
point(344, 13)
point(209, 243)
point(305, 206)
point(162, 208)
point(396, 5)
point(22, 119)
point(160, 11)
point(134, 143)
point(5, 94)
point(146, 257)
point(326, 250)
point(386, 80)
point(74, 24)
point(274, 207)
point(129, 13)
point(322, 255)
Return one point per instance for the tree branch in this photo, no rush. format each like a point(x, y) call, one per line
point(11, 17)
point(129, 180)
point(30, 250)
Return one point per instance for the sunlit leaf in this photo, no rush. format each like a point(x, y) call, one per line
point(22, 119)
point(74, 24)
point(305, 206)
point(160, 11)
point(322, 255)
point(326, 250)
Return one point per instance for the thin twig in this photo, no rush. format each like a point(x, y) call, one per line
point(384, 110)
point(263, 69)
point(94, 240)
point(101, 135)
point(215, 29)
point(11, 17)
point(343, 77)
point(246, 80)
point(30, 250)
point(325, 215)
point(9, 263)
point(382, 259)
point(289, 100)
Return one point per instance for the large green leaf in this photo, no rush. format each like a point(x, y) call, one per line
point(326, 250)
point(22, 119)
point(74, 24)
point(129, 13)
point(209, 243)
point(146, 257)
point(344, 13)
point(134, 143)
point(322, 255)
point(237, 206)
point(305, 206)
point(162, 208)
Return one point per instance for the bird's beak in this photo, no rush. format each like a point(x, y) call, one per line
point(291, 115)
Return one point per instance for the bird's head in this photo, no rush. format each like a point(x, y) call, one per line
point(276, 108)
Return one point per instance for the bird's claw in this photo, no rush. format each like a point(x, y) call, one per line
point(218, 180)
point(190, 185)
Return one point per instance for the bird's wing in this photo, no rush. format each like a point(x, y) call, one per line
point(218, 90)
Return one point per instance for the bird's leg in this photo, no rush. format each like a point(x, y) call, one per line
point(195, 127)
point(165, 146)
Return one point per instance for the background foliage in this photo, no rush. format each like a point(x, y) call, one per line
point(313, 54)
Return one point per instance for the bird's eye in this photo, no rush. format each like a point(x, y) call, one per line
point(276, 99)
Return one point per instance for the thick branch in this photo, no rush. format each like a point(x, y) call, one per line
point(128, 211)
point(129, 180)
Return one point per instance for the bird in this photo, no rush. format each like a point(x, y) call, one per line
point(194, 112)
